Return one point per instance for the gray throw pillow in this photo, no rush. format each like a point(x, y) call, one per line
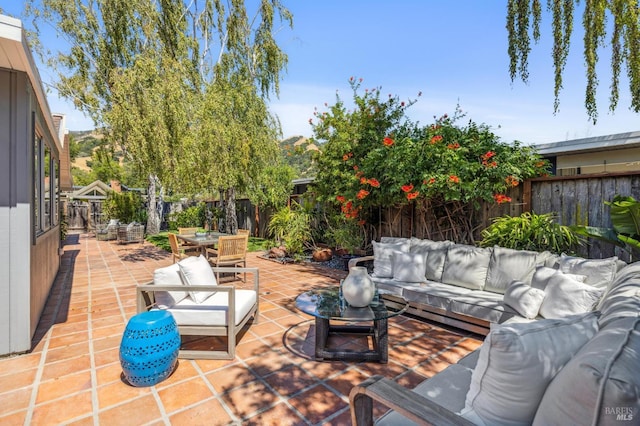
point(507, 265)
point(599, 272)
point(409, 267)
point(524, 299)
point(565, 296)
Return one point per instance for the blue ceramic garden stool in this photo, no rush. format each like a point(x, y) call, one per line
point(149, 348)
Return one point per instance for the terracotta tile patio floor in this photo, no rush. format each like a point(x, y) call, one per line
point(73, 374)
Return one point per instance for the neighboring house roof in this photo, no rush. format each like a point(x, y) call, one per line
point(594, 144)
point(96, 190)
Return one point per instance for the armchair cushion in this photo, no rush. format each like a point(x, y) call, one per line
point(213, 310)
point(517, 362)
point(197, 271)
point(169, 275)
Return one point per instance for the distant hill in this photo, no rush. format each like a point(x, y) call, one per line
point(297, 152)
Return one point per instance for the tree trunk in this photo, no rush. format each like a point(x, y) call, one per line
point(153, 215)
point(231, 218)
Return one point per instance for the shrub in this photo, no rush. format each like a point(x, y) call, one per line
point(291, 226)
point(125, 206)
point(530, 231)
point(194, 216)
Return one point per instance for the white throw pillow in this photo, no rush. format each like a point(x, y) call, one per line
point(197, 271)
point(466, 266)
point(566, 296)
point(599, 272)
point(382, 253)
point(517, 362)
point(169, 275)
point(525, 299)
point(409, 267)
point(543, 273)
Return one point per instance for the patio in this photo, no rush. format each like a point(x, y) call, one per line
point(73, 374)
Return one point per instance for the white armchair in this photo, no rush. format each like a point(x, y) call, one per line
point(200, 306)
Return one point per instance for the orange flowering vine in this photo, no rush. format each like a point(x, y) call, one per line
point(454, 179)
point(454, 145)
point(362, 194)
point(512, 181)
point(501, 198)
point(340, 199)
point(407, 188)
point(345, 157)
point(388, 141)
point(363, 180)
point(374, 182)
point(412, 195)
point(362, 222)
point(435, 139)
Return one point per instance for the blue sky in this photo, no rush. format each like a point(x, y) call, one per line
point(454, 52)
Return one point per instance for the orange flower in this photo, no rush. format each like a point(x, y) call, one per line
point(407, 188)
point(355, 168)
point(435, 139)
point(488, 155)
point(363, 180)
point(345, 157)
point(512, 181)
point(387, 141)
point(374, 182)
point(454, 179)
point(362, 194)
point(540, 164)
point(501, 198)
point(340, 199)
point(362, 222)
point(412, 195)
point(454, 145)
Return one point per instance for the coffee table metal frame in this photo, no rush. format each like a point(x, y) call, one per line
point(326, 306)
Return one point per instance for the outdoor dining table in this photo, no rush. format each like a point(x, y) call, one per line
point(208, 240)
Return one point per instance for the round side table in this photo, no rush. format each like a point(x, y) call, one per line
point(149, 348)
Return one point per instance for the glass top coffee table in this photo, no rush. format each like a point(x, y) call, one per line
point(326, 305)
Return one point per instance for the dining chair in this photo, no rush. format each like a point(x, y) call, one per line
point(180, 252)
point(190, 231)
point(231, 251)
point(244, 232)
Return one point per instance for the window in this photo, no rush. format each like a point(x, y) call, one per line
point(46, 170)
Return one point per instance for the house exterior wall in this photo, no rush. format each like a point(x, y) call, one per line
point(29, 255)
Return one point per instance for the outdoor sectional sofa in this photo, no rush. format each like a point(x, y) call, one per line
point(578, 366)
point(471, 288)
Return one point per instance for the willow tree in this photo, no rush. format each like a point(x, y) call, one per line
point(145, 71)
point(620, 17)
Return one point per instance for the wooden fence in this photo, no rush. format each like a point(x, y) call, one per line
point(576, 200)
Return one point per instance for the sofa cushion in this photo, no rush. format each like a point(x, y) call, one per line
point(525, 299)
point(169, 275)
point(483, 305)
point(565, 296)
point(466, 266)
point(392, 286)
point(213, 310)
point(622, 298)
point(395, 240)
point(507, 265)
point(447, 388)
point(196, 272)
point(434, 294)
point(599, 272)
point(517, 362)
point(408, 267)
point(601, 384)
point(382, 257)
point(436, 254)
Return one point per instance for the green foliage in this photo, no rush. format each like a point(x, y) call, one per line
point(273, 187)
point(625, 218)
point(530, 231)
point(343, 233)
point(104, 165)
point(189, 217)
point(525, 16)
point(372, 156)
point(124, 206)
point(291, 226)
